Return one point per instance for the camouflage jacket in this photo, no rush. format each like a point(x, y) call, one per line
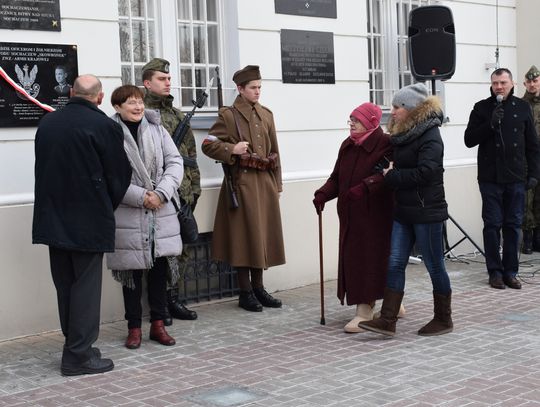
point(534, 101)
point(190, 188)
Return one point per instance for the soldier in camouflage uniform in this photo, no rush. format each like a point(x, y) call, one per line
point(531, 220)
point(157, 81)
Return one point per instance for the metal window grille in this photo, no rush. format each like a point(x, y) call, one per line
point(137, 25)
point(387, 47)
point(205, 279)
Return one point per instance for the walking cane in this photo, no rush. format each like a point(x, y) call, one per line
point(323, 322)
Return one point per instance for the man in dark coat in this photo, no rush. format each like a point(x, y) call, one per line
point(508, 163)
point(81, 175)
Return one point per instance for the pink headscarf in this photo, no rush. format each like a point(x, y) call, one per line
point(370, 116)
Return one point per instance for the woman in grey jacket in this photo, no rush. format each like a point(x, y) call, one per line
point(147, 229)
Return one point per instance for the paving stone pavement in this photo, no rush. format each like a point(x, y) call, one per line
point(284, 357)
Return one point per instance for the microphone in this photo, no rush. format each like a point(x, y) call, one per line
point(500, 99)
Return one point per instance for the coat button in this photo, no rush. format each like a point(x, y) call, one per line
point(245, 170)
point(515, 115)
point(226, 148)
point(497, 145)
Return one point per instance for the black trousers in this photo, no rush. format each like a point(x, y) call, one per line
point(77, 277)
point(157, 294)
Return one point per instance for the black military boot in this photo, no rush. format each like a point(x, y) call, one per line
point(177, 309)
point(266, 299)
point(527, 246)
point(249, 302)
point(536, 239)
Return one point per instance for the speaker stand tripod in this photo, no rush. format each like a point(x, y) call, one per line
point(445, 235)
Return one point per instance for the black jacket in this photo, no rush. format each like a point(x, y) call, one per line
point(81, 175)
point(506, 156)
point(417, 176)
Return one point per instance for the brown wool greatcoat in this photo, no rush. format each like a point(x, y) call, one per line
point(250, 235)
point(365, 218)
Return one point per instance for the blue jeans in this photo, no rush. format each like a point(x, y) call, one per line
point(429, 240)
point(502, 208)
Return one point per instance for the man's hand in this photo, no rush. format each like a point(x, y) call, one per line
point(240, 148)
point(497, 116)
point(318, 203)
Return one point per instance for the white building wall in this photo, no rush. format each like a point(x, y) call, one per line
point(311, 123)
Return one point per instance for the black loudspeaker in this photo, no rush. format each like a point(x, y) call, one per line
point(432, 43)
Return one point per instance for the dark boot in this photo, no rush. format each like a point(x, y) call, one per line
point(249, 302)
point(266, 299)
point(442, 319)
point(177, 309)
point(536, 239)
point(134, 338)
point(386, 323)
point(159, 334)
point(527, 246)
point(167, 319)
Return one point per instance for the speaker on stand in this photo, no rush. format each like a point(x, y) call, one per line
point(432, 56)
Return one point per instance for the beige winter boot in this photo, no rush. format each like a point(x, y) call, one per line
point(364, 312)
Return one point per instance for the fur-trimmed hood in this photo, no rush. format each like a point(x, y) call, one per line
point(426, 115)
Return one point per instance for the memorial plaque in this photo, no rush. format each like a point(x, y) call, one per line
point(307, 57)
point(310, 8)
point(41, 15)
point(45, 71)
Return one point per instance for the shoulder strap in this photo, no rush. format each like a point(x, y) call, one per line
point(235, 115)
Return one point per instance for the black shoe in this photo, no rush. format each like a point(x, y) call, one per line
point(527, 246)
point(266, 299)
point(512, 282)
point(248, 301)
point(167, 319)
point(91, 366)
point(96, 352)
point(497, 282)
point(179, 311)
point(536, 239)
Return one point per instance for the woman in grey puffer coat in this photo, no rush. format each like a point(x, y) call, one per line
point(147, 228)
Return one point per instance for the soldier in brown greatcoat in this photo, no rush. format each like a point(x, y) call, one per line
point(248, 237)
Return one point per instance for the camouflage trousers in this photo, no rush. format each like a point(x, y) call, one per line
point(531, 218)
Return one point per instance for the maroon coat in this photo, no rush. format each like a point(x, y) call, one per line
point(365, 215)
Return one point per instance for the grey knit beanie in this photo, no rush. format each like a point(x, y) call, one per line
point(410, 96)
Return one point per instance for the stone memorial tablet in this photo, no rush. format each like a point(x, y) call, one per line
point(45, 71)
point(41, 15)
point(310, 8)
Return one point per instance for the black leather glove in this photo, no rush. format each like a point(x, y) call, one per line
point(318, 202)
point(531, 183)
point(497, 116)
point(378, 169)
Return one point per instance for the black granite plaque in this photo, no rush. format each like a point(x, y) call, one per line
point(307, 56)
point(310, 8)
point(41, 15)
point(45, 71)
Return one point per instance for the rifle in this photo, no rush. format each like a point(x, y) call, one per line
point(229, 181)
point(183, 127)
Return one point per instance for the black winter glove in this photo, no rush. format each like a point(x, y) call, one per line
point(380, 166)
point(497, 116)
point(531, 183)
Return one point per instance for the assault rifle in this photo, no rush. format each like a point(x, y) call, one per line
point(229, 180)
point(183, 127)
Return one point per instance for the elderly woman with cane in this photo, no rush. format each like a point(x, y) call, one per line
point(365, 212)
point(147, 228)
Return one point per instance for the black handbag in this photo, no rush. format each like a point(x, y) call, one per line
point(188, 225)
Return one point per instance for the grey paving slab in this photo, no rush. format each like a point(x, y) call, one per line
point(286, 358)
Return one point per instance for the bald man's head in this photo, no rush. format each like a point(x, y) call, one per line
point(88, 87)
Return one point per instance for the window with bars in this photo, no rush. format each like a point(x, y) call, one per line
point(137, 37)
point(387, 47)
point(185, 32)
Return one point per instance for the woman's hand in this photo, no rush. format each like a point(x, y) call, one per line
point(240, 147)
point(390, 167)
point(152, 201)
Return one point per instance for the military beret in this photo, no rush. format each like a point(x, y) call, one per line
point(246, 74)
point(157, 64)
point(532, 73)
